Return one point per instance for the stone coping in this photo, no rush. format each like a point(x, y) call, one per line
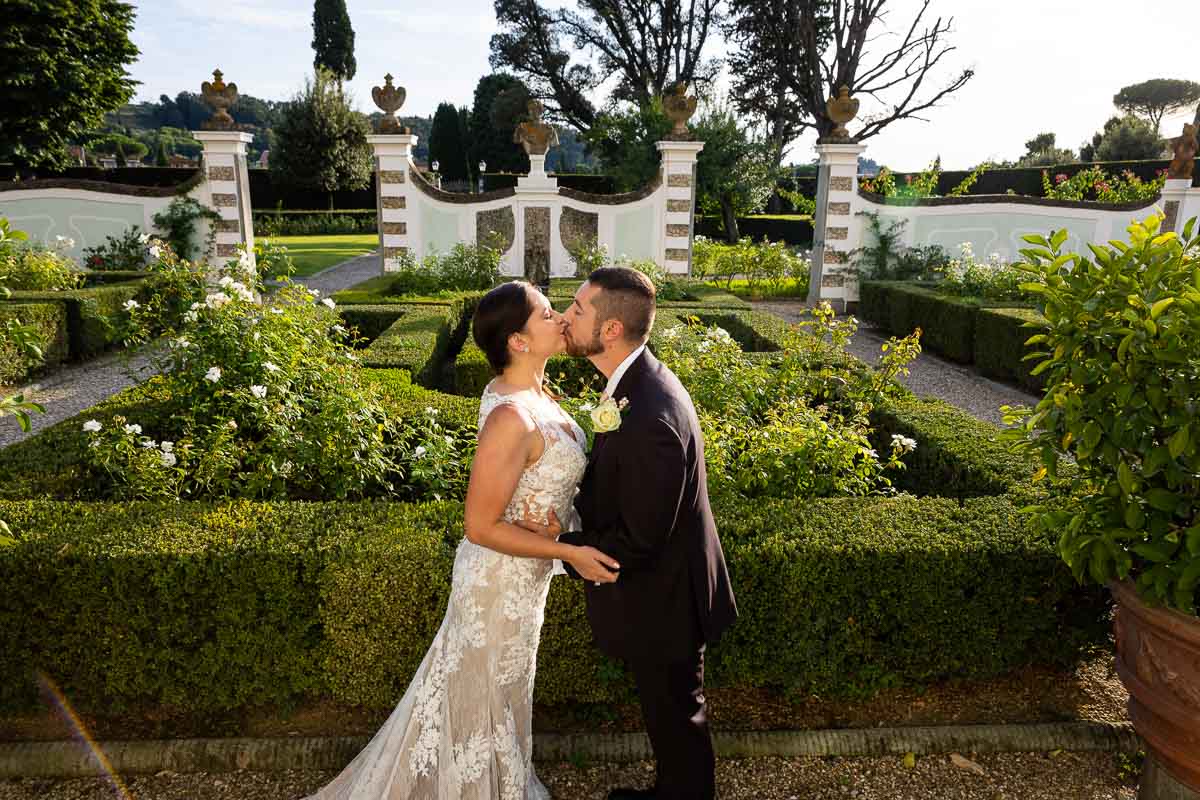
point(428, 189)
point(1014, 199)
point(61, 759)
point(106, 187)
point(613, 199)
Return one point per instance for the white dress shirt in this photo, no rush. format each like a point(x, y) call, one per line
point(619, 372)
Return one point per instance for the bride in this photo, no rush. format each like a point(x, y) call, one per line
point(463, 728)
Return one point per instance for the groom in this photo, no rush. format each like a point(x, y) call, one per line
point(644, 502)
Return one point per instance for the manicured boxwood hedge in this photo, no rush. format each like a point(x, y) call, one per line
point(419, 337)
point(988, 335)
point(1000, 336)
point(212, 605)
point(221, 605)
point(89, 313)
point(49, 322)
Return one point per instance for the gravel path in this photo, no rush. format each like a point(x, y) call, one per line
point(74, 388)
point(343, 275)
point(1009, 776)
point(929, 375)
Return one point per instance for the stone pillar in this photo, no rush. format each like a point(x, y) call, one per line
point(837, 231)
point(393, 158)
point(679, 212)
point(1175, 203)
point(229, 185)
point(538, 211)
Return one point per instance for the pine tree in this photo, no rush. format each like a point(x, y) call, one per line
point(333, 39)
point(446, 145)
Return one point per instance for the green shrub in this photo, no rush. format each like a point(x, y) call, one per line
point(947, 324)
point(38, 269)
point(420, 340)
point(208, 606)
point(93, 315)
point(1000, 335)
point(48, 322)
point(313, 223)
point(126, 252)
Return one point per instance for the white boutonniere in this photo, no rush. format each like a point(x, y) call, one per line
point(606, 417)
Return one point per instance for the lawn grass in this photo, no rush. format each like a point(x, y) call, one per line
point(314, 253)
point(762, 290)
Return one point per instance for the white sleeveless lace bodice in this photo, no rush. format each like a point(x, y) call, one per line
point(463, 729)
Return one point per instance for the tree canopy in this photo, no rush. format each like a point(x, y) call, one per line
point(65, 66)
point(639, 47)
point(1154, 98)
point(333, 39)
point(491, 126)
point(447, 143)
point(1127, 138)
point(320, 142)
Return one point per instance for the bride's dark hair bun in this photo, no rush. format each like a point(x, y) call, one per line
point(502, 312)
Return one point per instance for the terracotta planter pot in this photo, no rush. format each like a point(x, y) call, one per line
point(1158, 659)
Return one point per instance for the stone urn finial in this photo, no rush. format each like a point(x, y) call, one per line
point(679, 108)
point(841, 109)
point(220, 96)
point(534, 135)
point(1185, 146)
point(389, 99)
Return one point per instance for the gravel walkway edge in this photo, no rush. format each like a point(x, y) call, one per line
point(72, 759)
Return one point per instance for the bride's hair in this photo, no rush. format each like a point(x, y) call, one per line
point(502, 312)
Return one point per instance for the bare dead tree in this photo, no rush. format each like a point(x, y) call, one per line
point(817, 46)
point(646, 45)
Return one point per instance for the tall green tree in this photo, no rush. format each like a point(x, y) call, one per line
point(447, 145)
point(333, 39)
point(161, 158)
point(320, 142)
point(64, 67)
point(1043, 151)
point(492, 138)
point(624, 142)
point(1154, 98)
point(735, 173)
point(1126, 138)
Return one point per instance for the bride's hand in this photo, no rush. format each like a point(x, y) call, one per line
point(592, 565)
point(550, 531)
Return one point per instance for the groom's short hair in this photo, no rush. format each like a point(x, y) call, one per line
point(626, 295)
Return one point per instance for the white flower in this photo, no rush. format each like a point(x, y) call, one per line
point(64, 242)
point(276, 310)
point(431, 411)
point(149, 444)
point(328, 303)
point(606, 417)
point(338, 329)
point(671, 334)
point(130, 305)
point(217, 299)
point(92, 426)
point(420, 451)
point(258, 391)
point(190, 316)
point(903, 443)
point(144, 238)
point(257, 336)
point(168, 459)
point(166, 446)
point(226, 281)
point(246, 261)
point(233, 425)
point(155, 251)
point(244, 293)
point(213, 374)
point(351, 357)
point(137, 429)
point(871, 453)
point(449, 440)
point(196, 306)
point(180, 343)
point(269, 367)
point(315, 292)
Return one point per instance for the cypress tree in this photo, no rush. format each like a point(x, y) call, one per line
point(446, 144)
point(333, 39)
point(160, 158)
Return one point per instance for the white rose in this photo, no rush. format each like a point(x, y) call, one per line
point(328, 303)
point(144, 238)
point(606, 417)
point(137, 429)
point(155, 251)
point(258, 391)
point(130, 305)
point(226, 281)
point(167, 447)
point(420, 451)
point(213, 374)
point(149, 444)
point(168, 459)
point(92, 426)
point(269, 367)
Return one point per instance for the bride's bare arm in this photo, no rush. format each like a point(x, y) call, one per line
point(507, 444)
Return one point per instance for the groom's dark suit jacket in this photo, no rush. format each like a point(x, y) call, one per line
point(644, 501)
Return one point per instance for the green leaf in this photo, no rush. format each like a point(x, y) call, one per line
point(1162, 499)
point(1162, 305)
point(1125, 478)
point(1057, 238)
point(1178, 443)
point(1035, 238)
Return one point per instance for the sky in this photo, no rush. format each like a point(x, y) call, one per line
point(1040, 65)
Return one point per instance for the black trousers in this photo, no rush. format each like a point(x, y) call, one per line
point(672, 696)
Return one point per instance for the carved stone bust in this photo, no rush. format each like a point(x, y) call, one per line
point(534, 135)
point(1185, 154)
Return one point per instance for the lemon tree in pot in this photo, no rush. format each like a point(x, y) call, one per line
point(1118, 434)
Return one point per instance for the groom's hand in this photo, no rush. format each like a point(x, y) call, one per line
point(550, 530)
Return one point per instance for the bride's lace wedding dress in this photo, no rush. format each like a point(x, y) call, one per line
point(463, 728)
